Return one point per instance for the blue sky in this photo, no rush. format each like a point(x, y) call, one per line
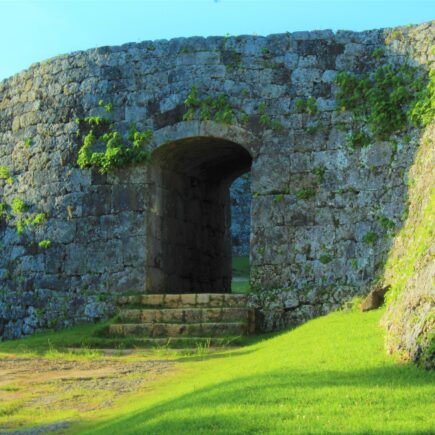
point(31, 31)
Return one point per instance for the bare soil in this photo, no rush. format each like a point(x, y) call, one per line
point(73, 385)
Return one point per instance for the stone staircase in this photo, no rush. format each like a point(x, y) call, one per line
point(182, 320)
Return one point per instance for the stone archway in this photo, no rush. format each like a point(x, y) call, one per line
point(188, 225)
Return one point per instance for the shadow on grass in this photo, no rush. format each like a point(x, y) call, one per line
point(356, 399)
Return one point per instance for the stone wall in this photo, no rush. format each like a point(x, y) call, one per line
point(313, 200)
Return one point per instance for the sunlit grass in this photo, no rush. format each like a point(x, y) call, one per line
point(331, 375)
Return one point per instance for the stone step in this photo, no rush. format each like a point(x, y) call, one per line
point(186, 315)
point(207, 300)
point(178, 329)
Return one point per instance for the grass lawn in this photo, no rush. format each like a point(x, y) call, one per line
point(240, 283)
point(331, 375)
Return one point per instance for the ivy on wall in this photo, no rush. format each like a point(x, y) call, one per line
point(219, 109)
point(104, 148)
point(208, 108)
point(385, 102)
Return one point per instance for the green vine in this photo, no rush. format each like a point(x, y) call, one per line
point(18, 211)
point(219, 109)
point(308, 105)
point(18, 208)
point(44, 244)
point(385, 101)
point(5, 174)
point(105, 148)
point(208, 108)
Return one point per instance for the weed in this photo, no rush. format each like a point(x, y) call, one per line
point(207, 108)
point(386, 100)
point(306, 106)
point(306, 193)
point(370, 238)
point(358, 139)
point(319, 173)
point(106, 106)
point(5, 174)
point(386, 223)
point(18, 206)
point(354, 263)
point(203, 348)
point(325, 259)
point(277, 127)
point(99, 133)
point(44, 244)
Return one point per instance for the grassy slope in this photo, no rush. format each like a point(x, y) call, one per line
point(409, 319)
point(331, 375)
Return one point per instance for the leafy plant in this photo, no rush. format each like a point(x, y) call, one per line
point(5, 174)
point(107, 106)
point(325, 259)
point(3, 206)
point(44, 244)
point(39, 219)
point(313, 128)
point(208, 108)
point(370, 238)
point(116, 151)
point(354, 263)
point(319, 172)
point(277, 126)
point(18, 206)
point(306, 106)
point(306, 193)
point(279, 197)
point(386, 223)
point(233, 60)
point(265, 120)
point(422, 112)
point(20, 226)
point(386, 101)
point(358, 139)
point(378, 53)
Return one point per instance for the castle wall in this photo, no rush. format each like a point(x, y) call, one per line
point(313, 200)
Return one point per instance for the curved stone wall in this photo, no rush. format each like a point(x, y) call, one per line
point(108, 233)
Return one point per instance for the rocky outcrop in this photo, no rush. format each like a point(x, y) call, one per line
point(410, 269)
point(374, 299)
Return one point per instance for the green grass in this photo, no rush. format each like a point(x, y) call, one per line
point(240, 285)
point(241, 268)
point(52, 344)
point(331, 375)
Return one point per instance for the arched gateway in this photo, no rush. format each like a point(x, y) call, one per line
point(188, 225)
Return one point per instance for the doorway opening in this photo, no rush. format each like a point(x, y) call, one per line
point(240, 195)
point(189, 239)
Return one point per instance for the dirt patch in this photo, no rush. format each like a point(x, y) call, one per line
point(63, 385)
